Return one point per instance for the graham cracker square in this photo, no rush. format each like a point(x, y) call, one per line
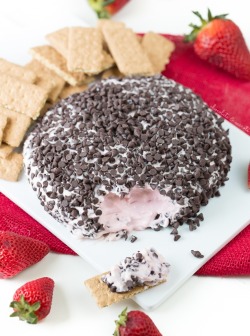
point(5, 150)
point(17, 71)
point(54, 61)
point(11, 167)
point(85, 47)
point(47, 79)
point(59, 40)
point(21, 97)
point(158, 49)
point(16, 128)
point(127, 51)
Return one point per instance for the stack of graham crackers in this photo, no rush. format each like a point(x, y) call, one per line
point(73, 58)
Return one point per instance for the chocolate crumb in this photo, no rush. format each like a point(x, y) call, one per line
point(133, 239)
point(177, 237)
point(197, 254)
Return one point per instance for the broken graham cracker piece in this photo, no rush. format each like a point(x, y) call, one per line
point(17, 71)
point(47, 79)
point(3, 123)
point(11, 167)
point(85, 47)
point(127, 52)
point(59, 41)
point(54, 61)
point(5, 150)
point(158, 49)
point(103, 295)
point(16, 128)
point(21, 97)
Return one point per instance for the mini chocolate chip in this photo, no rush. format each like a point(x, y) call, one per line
point(133, 239)
point(197, 254)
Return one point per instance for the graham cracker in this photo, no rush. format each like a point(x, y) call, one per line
point(127, 51)
point(85, 47)
point(3, 123)
point(17, 71)
point(54, 61)
point(21, 97)
point(107, 61)
point(47, 79)
point(103, 295)
point(69, 90)
point(5, 150)
point(11, 167)
point(16, 128)
point(59, 41)
point(44, 83)
point(104, 23)
point(158, 49)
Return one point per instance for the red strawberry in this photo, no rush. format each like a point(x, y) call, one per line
point(135, 323)
point(32, 301)
point(18, 253)
point(219, 41)
point(107, 8)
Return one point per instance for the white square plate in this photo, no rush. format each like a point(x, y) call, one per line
point(224, 216)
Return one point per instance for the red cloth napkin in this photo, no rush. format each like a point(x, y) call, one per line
point(230, 98)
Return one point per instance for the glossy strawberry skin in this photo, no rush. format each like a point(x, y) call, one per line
point(221, 43)
point(137, 323)
point(18, 253)
point(107, 8)
point(39, 290)
point(116, 6)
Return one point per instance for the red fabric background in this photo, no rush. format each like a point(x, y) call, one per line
point(230, 97)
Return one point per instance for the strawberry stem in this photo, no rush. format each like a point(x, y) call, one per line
point(25, 311)
point(196, 29)
point(99, 7)
point(121, 322)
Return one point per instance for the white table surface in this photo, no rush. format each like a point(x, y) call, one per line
point(203, 305)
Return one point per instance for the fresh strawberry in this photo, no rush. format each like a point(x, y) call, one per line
point(18, 253)
point(32, 301)
point(135, 323)
point(107, 8)
point(219, 41)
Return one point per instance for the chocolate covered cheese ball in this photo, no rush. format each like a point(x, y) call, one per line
point(127, 155)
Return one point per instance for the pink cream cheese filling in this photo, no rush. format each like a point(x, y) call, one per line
point(142, 208)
